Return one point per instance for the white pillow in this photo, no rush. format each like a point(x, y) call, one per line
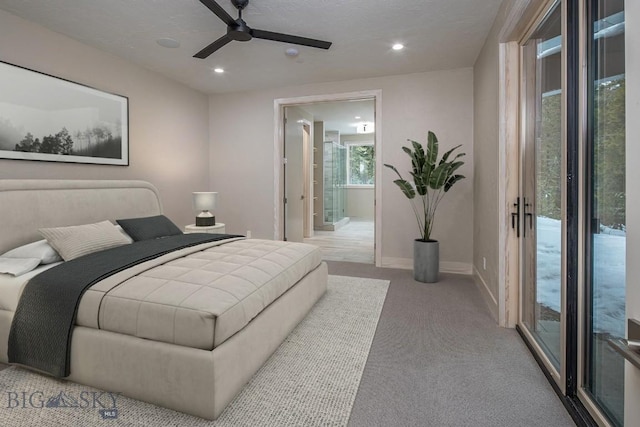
point(18, 266)
point(76, 241)
point(124, 233)
point(40, 249)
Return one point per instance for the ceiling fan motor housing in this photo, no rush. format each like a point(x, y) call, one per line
point(241, 32)
point(240, 4)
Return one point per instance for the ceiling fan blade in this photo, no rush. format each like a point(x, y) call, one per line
point(212, 47)
point(287, 38)
point(218, 10)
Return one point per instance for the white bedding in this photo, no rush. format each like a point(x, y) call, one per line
point(195, 297)
point(11, 287)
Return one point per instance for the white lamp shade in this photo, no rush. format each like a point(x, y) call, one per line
point(204, 201)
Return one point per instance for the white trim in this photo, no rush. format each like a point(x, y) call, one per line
point(486, 293)
point(456, 267)
point(278, 107)
point(400, 263)
point(445, 266)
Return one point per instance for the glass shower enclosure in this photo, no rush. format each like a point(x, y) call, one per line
point(335, 180)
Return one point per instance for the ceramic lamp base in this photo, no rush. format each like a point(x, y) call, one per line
point(205, 219)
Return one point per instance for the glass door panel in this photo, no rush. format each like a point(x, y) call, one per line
point(541, 202)
point(607, 227)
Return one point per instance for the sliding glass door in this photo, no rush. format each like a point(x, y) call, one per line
point(541, 188)
point(572, 202)
point(606, 220)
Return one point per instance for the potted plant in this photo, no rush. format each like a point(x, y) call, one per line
point(432, 179)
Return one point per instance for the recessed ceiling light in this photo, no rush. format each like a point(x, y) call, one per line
point(398, 46)
point(291, 52)
point(219, 70)
point(167, 42)
point(358, 117)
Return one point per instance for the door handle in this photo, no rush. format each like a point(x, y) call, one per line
point(527, 215)
point(530, 216)
point(515, 217)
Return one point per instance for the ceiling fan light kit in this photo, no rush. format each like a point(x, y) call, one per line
point(238, 30)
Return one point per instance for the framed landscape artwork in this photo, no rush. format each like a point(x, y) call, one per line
point(47, 118)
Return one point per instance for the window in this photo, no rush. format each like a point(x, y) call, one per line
point(360, 164)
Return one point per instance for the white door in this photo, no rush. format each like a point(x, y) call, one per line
point(294, 181)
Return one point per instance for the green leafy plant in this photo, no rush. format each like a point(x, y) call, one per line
point(432, 179)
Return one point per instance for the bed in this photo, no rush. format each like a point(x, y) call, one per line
point(189, 350)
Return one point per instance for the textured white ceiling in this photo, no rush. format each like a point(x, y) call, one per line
point(438, 35)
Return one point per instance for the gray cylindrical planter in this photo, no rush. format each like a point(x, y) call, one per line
point(426, 260)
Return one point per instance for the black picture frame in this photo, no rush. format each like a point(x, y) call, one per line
point(47, 118)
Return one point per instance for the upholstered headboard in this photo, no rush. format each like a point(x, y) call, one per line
point(27, 205)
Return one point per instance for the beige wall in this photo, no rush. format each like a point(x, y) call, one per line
point(360, 203)
point(486, 134)
point(168, 122)
point(242, 151)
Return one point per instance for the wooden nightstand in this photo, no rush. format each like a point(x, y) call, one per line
point(214, 229)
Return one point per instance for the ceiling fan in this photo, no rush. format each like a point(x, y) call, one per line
point(238, 30)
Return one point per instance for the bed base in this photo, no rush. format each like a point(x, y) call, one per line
point(193, 381)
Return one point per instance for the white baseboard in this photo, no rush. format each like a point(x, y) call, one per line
point(403, 263)
point(445, 266)
point(487, 295)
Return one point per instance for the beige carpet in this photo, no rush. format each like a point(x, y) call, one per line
point(438, 359)
point(310, 380)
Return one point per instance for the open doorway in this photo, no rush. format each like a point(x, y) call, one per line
point(329, 177)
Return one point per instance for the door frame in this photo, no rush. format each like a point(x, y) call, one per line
point(278, 141)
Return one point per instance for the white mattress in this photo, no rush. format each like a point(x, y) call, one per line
point(201, 299)
point(11, 287)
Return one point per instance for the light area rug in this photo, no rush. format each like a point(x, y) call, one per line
point(311, 379)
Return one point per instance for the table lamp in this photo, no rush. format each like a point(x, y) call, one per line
point(204, 202)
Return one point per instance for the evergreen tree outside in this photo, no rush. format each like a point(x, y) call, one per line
point(361, 164)
point(609, 155)
point(549, 158)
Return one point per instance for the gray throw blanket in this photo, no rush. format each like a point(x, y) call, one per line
point(42, 327)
